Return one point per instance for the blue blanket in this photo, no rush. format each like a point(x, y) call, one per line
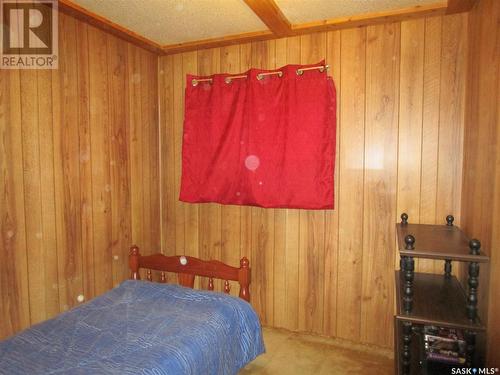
point(140, 328)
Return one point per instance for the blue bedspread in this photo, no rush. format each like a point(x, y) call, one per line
point(140, 328)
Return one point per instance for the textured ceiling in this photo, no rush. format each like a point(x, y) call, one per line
point(175, 21)
point(300, 11)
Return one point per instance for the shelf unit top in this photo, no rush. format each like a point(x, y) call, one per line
point(437, 300)
point(437, 242)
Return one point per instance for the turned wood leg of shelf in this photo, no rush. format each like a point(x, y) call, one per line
point(473, 283)
point(408, 288)
point(447, 267)
point(402, 263)
point(406, 354)
point(470, 339)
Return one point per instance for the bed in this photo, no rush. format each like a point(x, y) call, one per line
point(145, 327)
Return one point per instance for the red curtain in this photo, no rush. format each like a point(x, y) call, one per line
point(267, 142)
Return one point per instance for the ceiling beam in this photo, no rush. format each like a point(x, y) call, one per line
point(76, 11)
point(371, 18)
point(271, 15)
point(458, 6)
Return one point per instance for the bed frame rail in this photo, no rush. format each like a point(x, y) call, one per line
point(187, 268)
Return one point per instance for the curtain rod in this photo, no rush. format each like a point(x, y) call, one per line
point(260, 76)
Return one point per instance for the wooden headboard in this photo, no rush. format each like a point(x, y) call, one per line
point(188, 267)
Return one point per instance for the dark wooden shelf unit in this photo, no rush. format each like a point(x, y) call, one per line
point(430, 299)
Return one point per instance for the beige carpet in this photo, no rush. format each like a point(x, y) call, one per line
point(294, 353)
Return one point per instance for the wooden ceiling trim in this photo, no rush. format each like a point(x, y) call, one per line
point(76, 11)
point(458, 6)
point(269, 13)
point(371, 18)
point(218, 42)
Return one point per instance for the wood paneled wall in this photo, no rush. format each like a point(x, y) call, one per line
point(481, 183)
point(401, 92)
point(79, 173)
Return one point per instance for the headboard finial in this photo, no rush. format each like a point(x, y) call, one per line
point(133, 261)
point(244, 262)
point(134, 250)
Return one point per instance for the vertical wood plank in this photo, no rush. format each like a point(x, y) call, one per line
point(118, 154)
point(410, 117)
point(167, 168)
point(85, 159)
point(149, 145)
point(150, 71)
point(178, 118)
point(382, 73)
point(351, 166)
point(136, 135)
point(14, 288)
point(333, 57)
point(410, 120)
point(451, 119)
point(66, 167)
point(430, 130)
point(451, 116)
point(146, 162)
point(100, 150)
point(47, 195)
point(32, 194)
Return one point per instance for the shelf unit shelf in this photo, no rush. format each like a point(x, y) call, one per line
point(437, 242)
point(434, 299)
point(437, 300)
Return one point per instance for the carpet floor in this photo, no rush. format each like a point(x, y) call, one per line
point(293, 353)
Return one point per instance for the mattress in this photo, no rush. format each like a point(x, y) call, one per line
point(140, 328)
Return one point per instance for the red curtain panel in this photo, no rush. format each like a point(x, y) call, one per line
point(266, 142)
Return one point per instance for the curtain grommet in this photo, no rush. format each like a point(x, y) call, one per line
point(228, 80)
point(194, 82)
point(299, 72)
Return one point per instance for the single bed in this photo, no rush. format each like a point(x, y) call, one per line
point(142, 327)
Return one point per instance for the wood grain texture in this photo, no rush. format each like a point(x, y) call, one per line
point(351, 167)
point(332, 272)
point(334, 268)
point(100, 151)
point(380, 181)
point(481, 177)
point(271, 15)
point(65, 161)
point(14, 283)
point(430, 131)
point(66, 167)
